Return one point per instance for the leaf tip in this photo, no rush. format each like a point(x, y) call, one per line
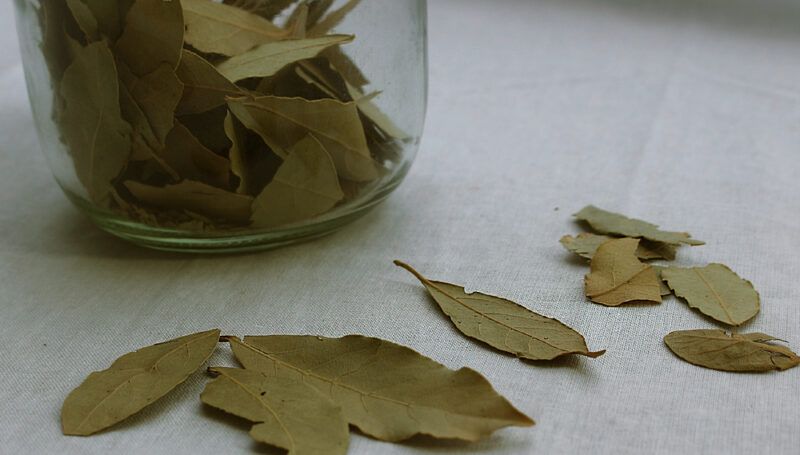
point(594, 355)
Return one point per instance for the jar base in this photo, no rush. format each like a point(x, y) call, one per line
point(182, 241)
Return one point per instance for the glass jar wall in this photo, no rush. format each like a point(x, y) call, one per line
point(202, 125)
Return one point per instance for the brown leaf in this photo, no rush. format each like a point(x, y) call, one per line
point(716, 291)
point(388, 391)
point(282, 122)
point(203, 87)
point(617, 276)
point(722, 351)
point(153, 36)
point(586, 244)
point(504, 324)
point(615, 224)
point(133, 382)
point(196, 197)
point(288, 414)
point(99, 140)
point(305, 186)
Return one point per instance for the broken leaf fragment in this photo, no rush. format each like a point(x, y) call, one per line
point(719, 350)
point(133, 382)
point(288, 414)
point(388, 391)
point(503, 324)
point(618, 277)
point(586, 244)
point(604, 222)
point(716, 291)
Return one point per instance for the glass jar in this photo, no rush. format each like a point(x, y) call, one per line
point(210, 125)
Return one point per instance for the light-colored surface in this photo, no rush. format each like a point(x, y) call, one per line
point(683, 112)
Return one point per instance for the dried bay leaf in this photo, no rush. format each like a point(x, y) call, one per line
point(109, 15)
point(282, 122)
point(288, 414)
point(192, 160)
point(267, 59)
point(317, 9)
point(133, 382)
point(153, 36)
point(586, 244)
point(99, 140)
point(209, 128)
point(196, 197)
point(144, 144)
point(227, 30)
point(388, 391)
point(85, 19)
point(716, 291)
point(372, 112)
point(333, 19)
point(203, 87)
point(346, 66)
point(305, 186)
point(503, 324)
point(237, 154)
point(722, 351)
point(605, 222)
point(617, 276)
point(296, 25)
point(157, 94)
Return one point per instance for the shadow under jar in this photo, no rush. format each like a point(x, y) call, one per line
point(203, 125)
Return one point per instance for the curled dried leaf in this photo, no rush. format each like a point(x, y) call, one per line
point(617, 276)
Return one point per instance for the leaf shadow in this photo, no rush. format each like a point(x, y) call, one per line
point(431, 444)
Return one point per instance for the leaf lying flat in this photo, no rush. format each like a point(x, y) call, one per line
point(196, 197)
point(504, 324)
point(617, 276)
point(222, 29)
point(586, 244)
point(716, 291)
point(204, 88)
point(85, 19)
point(98, 139)
point(282, 122)
point(133, 382)
point(153, 36)
point(268, 59)
point(388, 391)
point(613, 223)
point(305, 186)
point(288, 414)
point(719, 350)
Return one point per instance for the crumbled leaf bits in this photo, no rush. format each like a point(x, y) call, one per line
point(503, 324)
point(586, 244)
point(716, 291)
point(719, 350)
point(389, 392)
point(604, 222)
point(288, 414)
point(186, 114)
point(133, 382)
point(618, 277)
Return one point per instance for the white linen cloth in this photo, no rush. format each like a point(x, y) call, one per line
point(683, 112)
